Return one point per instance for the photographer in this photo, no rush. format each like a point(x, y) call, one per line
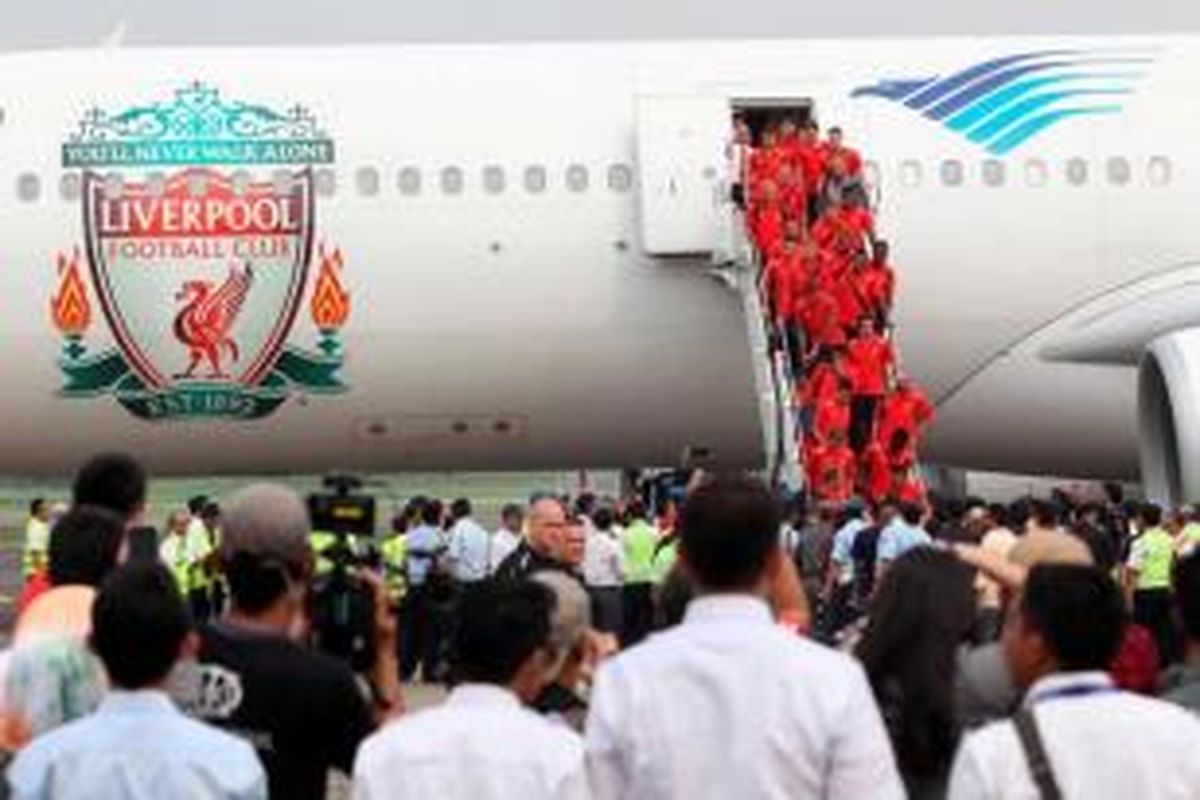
point(303, 711)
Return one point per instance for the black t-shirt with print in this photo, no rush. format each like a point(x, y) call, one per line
point(302, 711)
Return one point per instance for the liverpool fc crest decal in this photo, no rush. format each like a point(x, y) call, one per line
point(200, 250)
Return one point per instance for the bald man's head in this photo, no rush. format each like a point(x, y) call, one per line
point(547, 525)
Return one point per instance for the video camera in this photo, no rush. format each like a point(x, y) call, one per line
point(343, 605)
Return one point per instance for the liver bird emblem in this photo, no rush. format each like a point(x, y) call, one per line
point(203, 323)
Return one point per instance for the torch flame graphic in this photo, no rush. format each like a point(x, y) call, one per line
point(330, 305)
point(70, 309)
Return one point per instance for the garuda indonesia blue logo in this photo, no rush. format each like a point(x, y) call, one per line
point(1003, 103)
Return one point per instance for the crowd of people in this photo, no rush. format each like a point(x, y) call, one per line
point(956, 649)
point(829, 287)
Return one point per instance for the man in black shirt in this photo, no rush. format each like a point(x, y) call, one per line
point(542, 547)
point(303, 711)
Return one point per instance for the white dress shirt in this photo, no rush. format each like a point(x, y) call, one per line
point(1101, 743)
point(481, 744)
point(504, 542)
point(603, 559)
point(469, 550)
point(730, 705)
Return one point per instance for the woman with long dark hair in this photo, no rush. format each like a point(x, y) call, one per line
point(921, 615)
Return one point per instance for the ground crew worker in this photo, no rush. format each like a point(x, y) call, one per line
point(37, 538)
point(201, 548)
point(638, 541)
point(392, 553)
point(1148, 581)
point(173, 550)
point(321, 543)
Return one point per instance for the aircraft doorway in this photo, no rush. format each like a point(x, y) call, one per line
point(761, 115)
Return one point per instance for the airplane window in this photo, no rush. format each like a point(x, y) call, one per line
point(993, 172)
point(910, 174)
point(1159, 171)
point(240, 182)
point(367, 181)
point(29, 187)
point(1036, 173)
point(158, 184)
point(452, 180)
point(114, 186)
point(952, 172)
point(620, 177)
point(535, 179)
point(325, 182)
point(197, 184)
point(493, 179)
point(68, 187)
point(1077, 171)
point(577, 178)
point(871, 174)
point(1118, 171)
point(282, 179)
point(409, 181)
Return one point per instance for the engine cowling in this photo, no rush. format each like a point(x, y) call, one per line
point(1169, 417)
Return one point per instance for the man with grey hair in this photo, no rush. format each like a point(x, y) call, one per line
point(569, 643)
point(302, 710)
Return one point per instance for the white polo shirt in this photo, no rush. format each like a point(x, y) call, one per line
point(1102, 744)
point(730, 705)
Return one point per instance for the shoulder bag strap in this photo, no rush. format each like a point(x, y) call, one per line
point(1035, 754)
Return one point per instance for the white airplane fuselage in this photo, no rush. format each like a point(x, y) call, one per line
point(504, 327)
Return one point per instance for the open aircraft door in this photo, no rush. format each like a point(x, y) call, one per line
point(683, 166)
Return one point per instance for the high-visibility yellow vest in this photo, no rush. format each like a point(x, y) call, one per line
point(638, 541)
point(174, 554)
point(320, 541)
point(393, 552)
point(35, 555)
point(198, 545)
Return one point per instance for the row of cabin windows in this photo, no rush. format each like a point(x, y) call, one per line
point(535, 179)
point(1117, 171)
point(410, 181)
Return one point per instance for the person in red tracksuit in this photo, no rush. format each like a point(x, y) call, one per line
point(832, 471)
point(869, 358)
point(824, 379)
point(811, 156)
point(831, 418)
point(877, 284)
point(834, 147)
point(818, 311)
point(793, 197)
point(851, 307)
point(765, 160)
point(767, 219)
point(906, 410)
point(783, 279)
point(875, 472)
point(907, 487)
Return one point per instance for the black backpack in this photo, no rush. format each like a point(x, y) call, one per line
point(862, 555)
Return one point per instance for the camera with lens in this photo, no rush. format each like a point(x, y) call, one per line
point(343, 604)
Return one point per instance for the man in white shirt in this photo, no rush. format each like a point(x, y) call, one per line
point(730, 704)
point(604, 571)
point(481, 744)
point(1094, 741)
point(507, 536)
point(469, 545)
